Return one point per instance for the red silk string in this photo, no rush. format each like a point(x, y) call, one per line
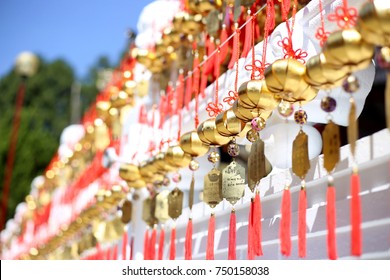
point(188, 94)
point(172, 246)
point(331, 222)
point(249, 35)
point(214, 108)
point(124, 245)
point(233, 94)
point(285, 224)
point(161, 244)
point(146, 245)
point(188, 241)
point(196, 74)
point(257, 232)
point(232, 236)
point(162, 111)
point(302, 205)
point(344, 16)
point(250, 251)
point(210, 238)
point(322, 34)
point(356, 216)
point(115, 252)
point(152, 244)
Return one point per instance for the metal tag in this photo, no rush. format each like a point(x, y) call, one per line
point(212, 23)
point(161, 211)
point(233, 182)
point(352, 129)
point(212, 189)
point(191, 193)
point(127, 208)
point(175, 203)
point(331, 146)
point(300, 155)
point(148, 208)
point(237, 10)
point(256, 164)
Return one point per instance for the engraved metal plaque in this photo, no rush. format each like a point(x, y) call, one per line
point(331, 145)
point(256, 164)
point(352, 130)
point(175, 203)
point(212, 189)
point(148, 208)
point(212, 22)
point(233, 182)
point(161, 211)
point(191, 193)
point(300, 155)
point(127, 208)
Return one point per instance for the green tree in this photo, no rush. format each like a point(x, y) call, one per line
point(45, 114)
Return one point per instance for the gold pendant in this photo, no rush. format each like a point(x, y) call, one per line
point(127, 208)
point(233, 182)
point(256, 164)
point(331, 146)
point(300, 155)
point(212, 23)
point(175, 203)
point(191, 193)
point(212, 190)
point(161, 211)
point(352, 127)
point(148, 208)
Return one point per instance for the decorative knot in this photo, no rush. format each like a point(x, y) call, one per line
point(257, 69)
point(289, 52)
point(232, 96)
point(322, 35)
point(344, 17)
point(213, 109)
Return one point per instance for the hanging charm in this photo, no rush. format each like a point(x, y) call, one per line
point(331, 146)
point(212, 190)
point(352, 127)
point(300, 155)
point(175, 203)
point(233, 182)
point(256, 164)
point(126, 211)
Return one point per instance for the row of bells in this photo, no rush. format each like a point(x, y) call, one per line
point(344, 52)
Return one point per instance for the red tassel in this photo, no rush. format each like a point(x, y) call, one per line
point(161, 244)
point(331, 222)
point(356, 216)
point(235, 50)
point(188, 241)
point(232, 236)
point(196, 75)
point(209, 65)
point(152, 245)
point(115, 253)
point(302, 223)
point(188, 92)
point(250, 252)
point(131, 248)
point(172, 249)
point(257, 233)
point(146, 245)
point(124, 246)
point(248, 37)
point(210, 238)
point(203, 83)
point(224, 45)
point(285, 224)
point(270, 19)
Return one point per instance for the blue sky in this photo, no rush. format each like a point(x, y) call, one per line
point(76, 30)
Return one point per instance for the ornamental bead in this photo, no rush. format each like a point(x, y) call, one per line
point(285, 109)
point(351, 84)
point(233, 149)
point(328, 104)
point(194, 165)
point(258, 124)
point(176, 177)
point(300, 117)
point(213, 157)
point(252, 135)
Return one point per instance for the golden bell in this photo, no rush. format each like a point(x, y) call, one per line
point(208, 134)
point(192, 24)
point(162, 164)
point(102, 108)
point(121, 99)
point(255, 93)
point(204, 6)
point(171, 38)
point(26, 64)
point(346, 50)
point(374, 22)
point(285, 79)
point(178, 21)
point(320, 74)
point(246, 115)
point(228, 124)
point(191, 144)
point(142, 56)
point(175, 156)
point(129, 172)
